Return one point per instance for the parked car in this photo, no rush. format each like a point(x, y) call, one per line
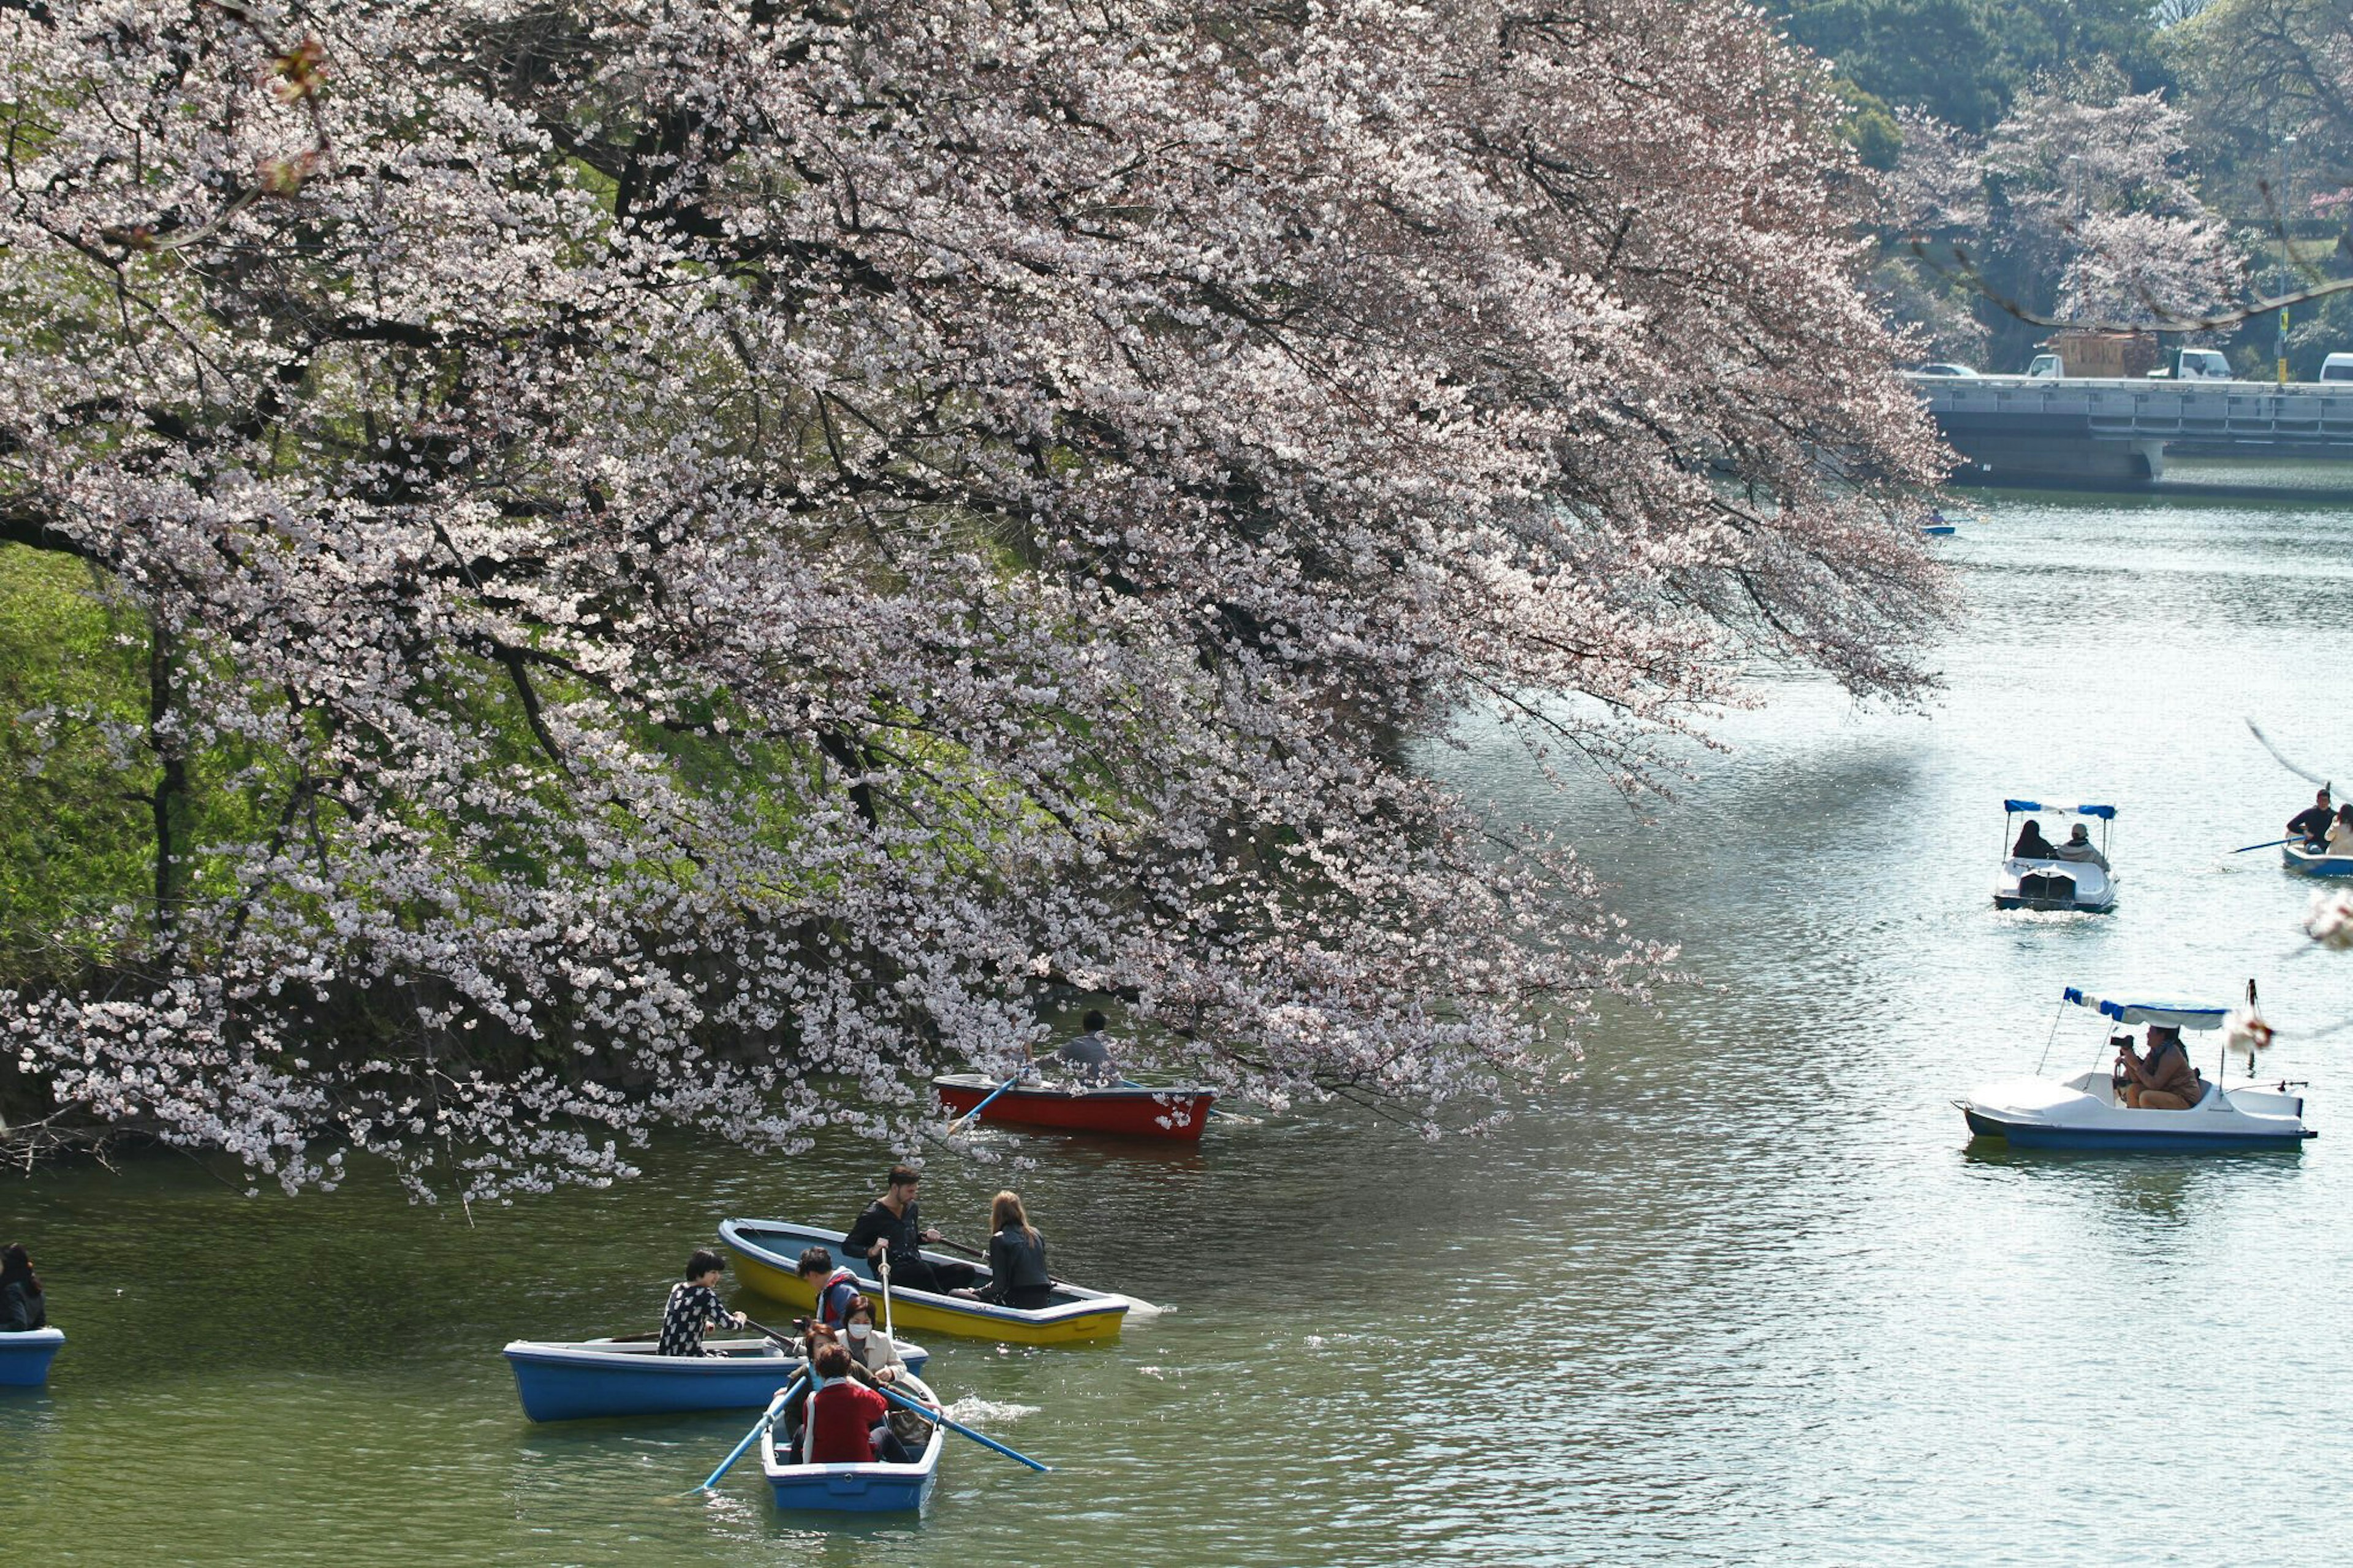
point(2195, 364)
point(1942, 369)
point(2336, 367)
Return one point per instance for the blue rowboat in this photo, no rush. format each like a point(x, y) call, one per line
point(575, 1380)
point(871, 1487)
point(2305, 863)
point(25, 1357)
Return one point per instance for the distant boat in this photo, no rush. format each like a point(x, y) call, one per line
point(24, 1356)
point(2084, 886)
point(575, 1380)
point(767, 1255)
point(2306, 863)
point(1126, 1110)
point(868, 1487)
point(2084, 1112)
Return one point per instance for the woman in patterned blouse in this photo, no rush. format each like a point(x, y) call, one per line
point(694, 1306)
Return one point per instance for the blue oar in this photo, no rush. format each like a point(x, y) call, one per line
point(2271, 844)
point(958, 1124)
point(928, 1414)
point(783, 1397)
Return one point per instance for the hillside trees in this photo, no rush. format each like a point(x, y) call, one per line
point(689, 559)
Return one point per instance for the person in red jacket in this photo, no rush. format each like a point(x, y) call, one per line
point(849, 1423)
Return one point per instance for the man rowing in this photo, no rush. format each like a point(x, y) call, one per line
point(891, 1226)
point(2311, 824)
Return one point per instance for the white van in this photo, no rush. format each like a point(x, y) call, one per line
point(2336, 367)
point(2197, 364)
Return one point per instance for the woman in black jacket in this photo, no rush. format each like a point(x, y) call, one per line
point(1016, 1257)
point(22, 1307)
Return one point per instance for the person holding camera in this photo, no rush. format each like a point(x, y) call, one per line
point(2162, 1080)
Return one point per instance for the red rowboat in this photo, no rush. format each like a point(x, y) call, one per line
point(1127, 1111)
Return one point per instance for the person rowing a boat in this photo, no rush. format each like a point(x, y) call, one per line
point(2032, 845)
point(2312, 822)
point(835, 1287)
point(694, 1305)
point(1088, 1056)
point(2162, 1080)
point(891, 1225)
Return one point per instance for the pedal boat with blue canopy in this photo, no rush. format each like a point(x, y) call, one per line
point(2307, 862)
point(26, 1355)
point(863, 1487)
point(578, 1380)
point(768, 1254)
point(2084, 1112)
point(2085, 887)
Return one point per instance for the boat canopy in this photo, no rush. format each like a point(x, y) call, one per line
point(2180, 1015)
point(2106, 813)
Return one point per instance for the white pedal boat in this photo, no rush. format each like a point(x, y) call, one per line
point(2085, 887)
point(2082, 1112)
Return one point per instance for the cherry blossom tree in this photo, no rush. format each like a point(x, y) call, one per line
point(701, 558)
point(2099, 211)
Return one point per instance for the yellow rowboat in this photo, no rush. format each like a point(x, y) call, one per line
point(768, 1252)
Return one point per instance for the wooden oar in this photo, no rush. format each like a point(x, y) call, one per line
point(783, 1397)
point(928, 1414)
point(882, 1267)
point(960, 1122)
point(2271, 843)
point(1137, 1306)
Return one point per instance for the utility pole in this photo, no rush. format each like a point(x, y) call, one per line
point(2288, 249)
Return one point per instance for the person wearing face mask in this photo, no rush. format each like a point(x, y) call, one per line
point(870, 1348)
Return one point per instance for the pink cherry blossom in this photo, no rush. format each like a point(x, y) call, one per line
point(703, 559)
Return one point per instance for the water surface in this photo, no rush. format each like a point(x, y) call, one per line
point(1743, 1293)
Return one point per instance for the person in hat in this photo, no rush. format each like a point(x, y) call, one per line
point(2079, 846)
point(2163, 1079)
point(694, 1305)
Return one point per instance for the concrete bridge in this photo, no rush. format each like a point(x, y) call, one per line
point(2111, 434)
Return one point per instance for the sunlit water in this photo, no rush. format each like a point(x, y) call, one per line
point(1744, 1293)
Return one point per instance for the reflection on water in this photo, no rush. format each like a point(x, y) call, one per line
point(1744, 1292)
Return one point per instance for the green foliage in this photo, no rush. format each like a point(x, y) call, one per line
point(73, 692)
point(1870, 127)
point(1964, 60)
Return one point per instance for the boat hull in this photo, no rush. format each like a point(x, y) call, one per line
point(1123, 1112)
point(25, 1357)
point(2305, 863)
point(873, 1488)
point(2126, 1141)
point(2081, 1113)
point(766, 1252)
point(2076, 886)
point(586, 1380)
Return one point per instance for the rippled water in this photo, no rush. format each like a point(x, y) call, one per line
point(1744, 1293)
